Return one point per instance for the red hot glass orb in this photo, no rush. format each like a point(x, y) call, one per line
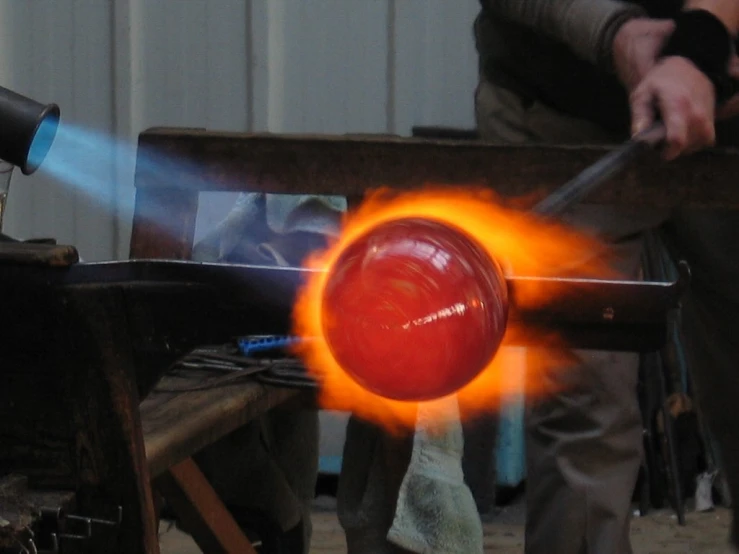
point(414, 309)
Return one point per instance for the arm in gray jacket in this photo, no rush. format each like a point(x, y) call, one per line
point(586, 26)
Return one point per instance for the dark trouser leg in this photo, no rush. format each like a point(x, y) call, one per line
point(373, 467)
point(710, 243)
point(480, 433)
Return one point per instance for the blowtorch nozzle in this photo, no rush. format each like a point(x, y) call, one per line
point(28, 130)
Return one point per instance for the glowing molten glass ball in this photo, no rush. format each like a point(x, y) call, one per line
point(414, 309)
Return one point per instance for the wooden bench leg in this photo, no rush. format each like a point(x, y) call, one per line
point(201, 510)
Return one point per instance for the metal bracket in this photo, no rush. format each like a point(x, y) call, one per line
point(57, 519)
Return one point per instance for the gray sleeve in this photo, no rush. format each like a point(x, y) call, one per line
point(586, 26)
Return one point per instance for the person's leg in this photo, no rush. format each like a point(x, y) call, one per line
point(583, 457)
point(373, 465)
point(709, 242)
point(584, 439)
point(480, 431)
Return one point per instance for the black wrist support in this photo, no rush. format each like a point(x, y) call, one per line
point(703, 39)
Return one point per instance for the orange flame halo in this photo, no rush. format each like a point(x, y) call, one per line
point(522, 243)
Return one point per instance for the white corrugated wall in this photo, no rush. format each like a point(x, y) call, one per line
point(323, 66)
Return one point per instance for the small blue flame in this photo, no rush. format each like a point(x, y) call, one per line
point(86, 161)
point(252, 344)
point(42, 141)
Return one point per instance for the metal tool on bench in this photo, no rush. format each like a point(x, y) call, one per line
point(263, 358)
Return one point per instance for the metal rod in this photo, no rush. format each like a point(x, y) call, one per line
point(600, 172)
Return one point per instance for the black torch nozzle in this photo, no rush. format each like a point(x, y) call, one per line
point(27, 130)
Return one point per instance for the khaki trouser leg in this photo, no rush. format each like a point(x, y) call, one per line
point(374, 464)
point(584, 440)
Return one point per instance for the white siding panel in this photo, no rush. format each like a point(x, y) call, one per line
point(193, 66)
point(312, 66)
point(322, 67)
point(60, 53)
point(435, 63)
point(91, 103)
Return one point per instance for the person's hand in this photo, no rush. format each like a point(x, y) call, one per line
point(636, 47)
point(675, 89)
point(686, 101)
point(731, 107)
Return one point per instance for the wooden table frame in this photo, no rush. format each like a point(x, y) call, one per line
point(178, 425)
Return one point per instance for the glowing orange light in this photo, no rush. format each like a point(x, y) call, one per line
point(519, 242)
point(414, 309)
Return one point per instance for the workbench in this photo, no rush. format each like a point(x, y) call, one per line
point(352, 165)
point(93, 356)
point(178, 424)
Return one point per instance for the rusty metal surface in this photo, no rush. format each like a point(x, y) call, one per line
point(38, 254)
point(350, 165)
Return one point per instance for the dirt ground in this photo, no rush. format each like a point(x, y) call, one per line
point(656, 533)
